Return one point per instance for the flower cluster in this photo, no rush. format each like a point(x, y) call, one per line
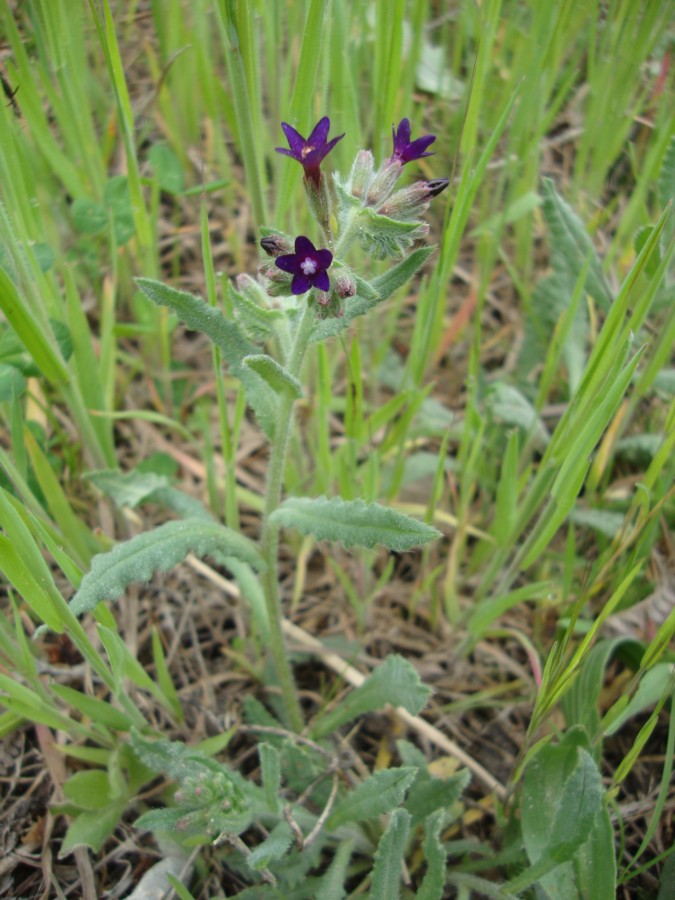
point(366, 208)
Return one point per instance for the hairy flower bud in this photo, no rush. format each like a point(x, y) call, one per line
point(383, 183)
point(411, 202)
point(275, 244)
point(362, 173)
point(344, 285)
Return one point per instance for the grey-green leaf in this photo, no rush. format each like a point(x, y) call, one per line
point(394, 683)
point(388, 858)
point(353, 523)
point(378, 794)
point(199, 316)
point(572, 245)
point(434, 851)
point(281, 381)
point(158, 550)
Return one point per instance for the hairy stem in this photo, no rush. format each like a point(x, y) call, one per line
point(269, 542)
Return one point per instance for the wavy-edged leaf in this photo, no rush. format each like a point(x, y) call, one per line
point(378, 794)
point(353, 523)
point(382, 237)
point(434, 851)
point(158, 551)
point(572, 245)
point(274, 847)
point(386, 882)
point(199, 316)
point(394, 683)
point(281, 381)
point(396, 277)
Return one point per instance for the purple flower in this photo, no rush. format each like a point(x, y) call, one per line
point(307, 266)
point(405, 150)
point(309, 153)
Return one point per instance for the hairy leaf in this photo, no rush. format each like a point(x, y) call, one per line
point(378, 794)
point(274, 847)
point(199, 316)
point(572, 245)
point(158, 550)
point(281, 381)
point(394, 683)
point(353, 523)
point(434, 851)
point(389, 857)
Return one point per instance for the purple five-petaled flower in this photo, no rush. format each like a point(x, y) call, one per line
point(307, 266)
point(405, 150)
point(309, 153)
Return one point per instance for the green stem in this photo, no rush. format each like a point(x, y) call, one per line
point(269, 541)
point(348, 234)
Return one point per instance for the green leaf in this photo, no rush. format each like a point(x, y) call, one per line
point(369, 295)
point(666, 182)
point(353, 523)
point(331, 886)
point(561, 811)
point(434, 851)
point(91, 829)
point(274, 847)
point(378, 794)
point(270, 767)
point(226, 335)
point(651, 689)
point(90, 790)
point(511, 407)
point(127, 488)
point(394, 683)
point(281, 381)
point(382, 237)
point(100, 712)
point(389, 857)
point(32, 334)
point(12, 383)
point(158, 550)
point(166, 167)
point(572, 245)
point(259, 322)
point(89, 217)
point(117, 198)
point(199, 316)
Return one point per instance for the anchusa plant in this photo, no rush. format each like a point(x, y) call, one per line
point(308, 289)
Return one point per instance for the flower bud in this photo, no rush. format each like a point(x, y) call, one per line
point(383, 183)
point(344, 285)
point(275, 244)
point(362, 173)
point(411, 202)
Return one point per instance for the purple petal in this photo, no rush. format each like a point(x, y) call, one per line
point(286, 152)
point(329, 146)
point(304, 247)
point(320, 132)
point(402, 133)
point(300, 284)
point(295, 140)
point(415, 150)
point(324, 258)
point(321, 281)
point(287, 263)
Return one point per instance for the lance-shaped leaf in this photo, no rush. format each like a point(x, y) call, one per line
point(572, 245)
point(281, 381)
point(369, 295)
point(353, 523)
point(158, 550)
point(199, 316)
point(378, 794)
point(386, 878)
point(228, 336)
point(394, 683)
point(383, 237)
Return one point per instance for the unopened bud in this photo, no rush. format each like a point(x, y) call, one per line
point(362, 173)
point(411, 202)
point(344, 285)
point(276, 244)
point(383, 183)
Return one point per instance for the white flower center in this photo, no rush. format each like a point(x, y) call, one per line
point(308, 266)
